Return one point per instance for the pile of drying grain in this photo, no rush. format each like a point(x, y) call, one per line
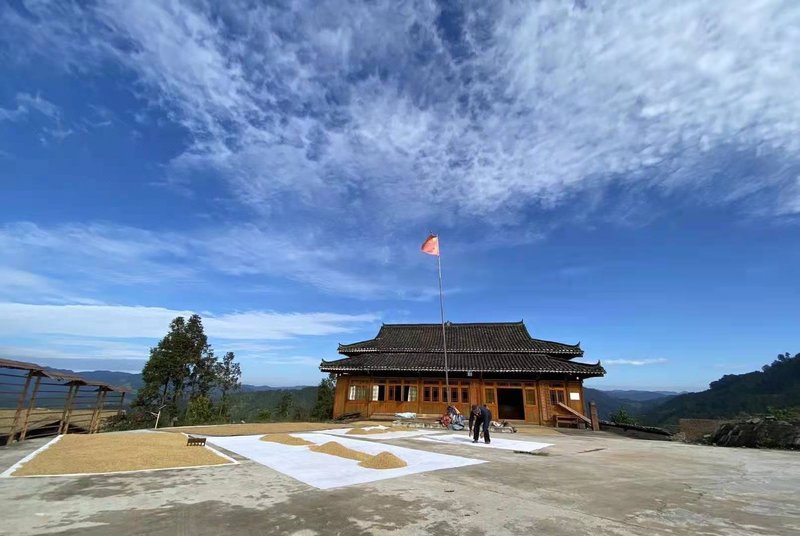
point(384, 460)
point(337, 449)
point(370, 431)
point(256, 428)
point(286, 439)
point(120, 451)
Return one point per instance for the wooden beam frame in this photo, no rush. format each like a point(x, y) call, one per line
point(64, 426)
point(20, 405)
point(31, 405)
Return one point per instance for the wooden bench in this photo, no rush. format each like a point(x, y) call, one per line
point(566, 419)
point(192, 441)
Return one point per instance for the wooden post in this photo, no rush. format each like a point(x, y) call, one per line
point(62, 428)
point(593, 415)
point(20, 405)
point(96, 410)
point(31, 405)
point(100, 403)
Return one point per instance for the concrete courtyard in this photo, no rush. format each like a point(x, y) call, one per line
point(589, 483)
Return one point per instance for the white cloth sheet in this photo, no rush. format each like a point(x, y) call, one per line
point(325, 471)
point(497, 442)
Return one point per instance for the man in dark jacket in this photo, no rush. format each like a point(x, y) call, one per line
point(480, 417)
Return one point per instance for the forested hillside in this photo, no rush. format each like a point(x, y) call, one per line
point(774, 387)
point(609, 402)
point(275, 404)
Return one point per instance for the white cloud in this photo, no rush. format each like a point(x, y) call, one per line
point(88, 256)
point(377, 111)
point(119, 321)
point(635, 362)
point(27, 103)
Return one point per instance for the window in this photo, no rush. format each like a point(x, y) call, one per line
point(489, 396)
point(556, 396)
point(378, 392)
point(426, 394)
point(358, 392)
point(396, 393)
point(454, 394)
point(435, 394)
point(530, 397)
point(410, 393)
point(464, 395)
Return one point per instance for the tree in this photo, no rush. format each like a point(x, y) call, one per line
point(284, 406)
point(228, 374)
point(182, 369)
point(200, 410)
point(323, 408)
point(621, 417)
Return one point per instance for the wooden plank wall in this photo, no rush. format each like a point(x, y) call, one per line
point(542, 412)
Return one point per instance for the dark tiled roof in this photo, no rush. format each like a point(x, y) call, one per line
point(460, 362)
point(464, 338)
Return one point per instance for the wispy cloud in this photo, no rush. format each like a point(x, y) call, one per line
point(635, 362)
point(91, 255)
point(397, 113)
point(119, 321)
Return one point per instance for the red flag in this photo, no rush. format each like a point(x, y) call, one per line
point(431, 245)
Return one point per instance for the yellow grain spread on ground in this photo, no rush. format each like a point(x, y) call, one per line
point(256, 428)
point(337, 449)
point(384, 460)
point(286, 439)
point(121, 451)
point(364, 431)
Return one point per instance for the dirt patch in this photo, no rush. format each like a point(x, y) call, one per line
point(113, 452)
point(384, 460)
point(337, 449)
point(286, 439)
point(256, 428)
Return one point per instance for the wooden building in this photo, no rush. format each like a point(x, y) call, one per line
point(498, 364)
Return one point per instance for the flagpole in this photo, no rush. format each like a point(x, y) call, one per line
point(444, 334)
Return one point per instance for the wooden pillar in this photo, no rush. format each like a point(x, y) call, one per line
point(31, 405)
point(594, 417)
point(62, 428)
point(96, 410)
point(20, 405)
point(340, 396)
point(96, 423)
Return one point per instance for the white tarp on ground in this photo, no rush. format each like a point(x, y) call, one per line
point(325, 471)
point(399, 434)
point(497, 442)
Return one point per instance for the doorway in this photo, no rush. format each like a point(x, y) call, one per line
point(510, 404)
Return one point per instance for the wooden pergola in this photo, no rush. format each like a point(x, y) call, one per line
point(50, 401)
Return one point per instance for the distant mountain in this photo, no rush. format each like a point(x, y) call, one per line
point(775, 386)
point(121, 379)
point(633, 402)
point(641, 396)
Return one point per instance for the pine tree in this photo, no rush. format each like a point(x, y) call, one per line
point(323, 408)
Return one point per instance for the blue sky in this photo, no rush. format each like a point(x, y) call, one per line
point(621, 174)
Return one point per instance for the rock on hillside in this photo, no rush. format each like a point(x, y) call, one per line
point(758, 433)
